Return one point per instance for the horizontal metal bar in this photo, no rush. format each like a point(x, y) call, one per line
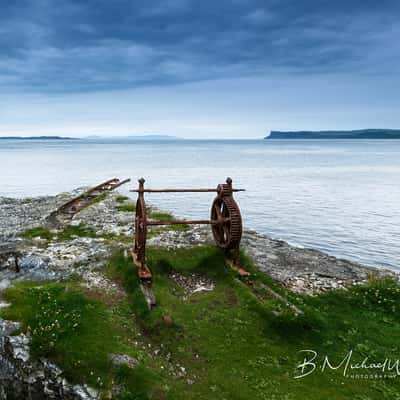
point(181, 190)
point(184, 222)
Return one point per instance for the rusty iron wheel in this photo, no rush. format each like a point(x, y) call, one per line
point(140, 230)
point(227, 231)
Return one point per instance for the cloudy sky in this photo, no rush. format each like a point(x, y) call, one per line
point(201, 69)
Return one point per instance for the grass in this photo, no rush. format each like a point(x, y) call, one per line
point(235, 342)
point(68, 233)
point(163, 216)
point(79, 332)
point(239, 346)
point(36, 232)
point(130, 207)
point(121, 199)
point(126, 207)
point(99, 198)
point(72, 231)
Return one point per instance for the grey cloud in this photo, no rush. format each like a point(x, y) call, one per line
point(95, 45)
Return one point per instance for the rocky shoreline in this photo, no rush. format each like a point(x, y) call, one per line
point(56, 258)
point(302, 270)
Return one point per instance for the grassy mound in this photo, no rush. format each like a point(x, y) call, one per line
point(234, 342)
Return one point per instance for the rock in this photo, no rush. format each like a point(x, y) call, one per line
point(18, 215)
point(193, 283)
point(19, 347)
point(75, 222)
point(8, 327)
point(31, 262)
point(123, 359)
point(23, 378)
point(5, 284)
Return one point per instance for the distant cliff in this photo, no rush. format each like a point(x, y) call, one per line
point(357, 134)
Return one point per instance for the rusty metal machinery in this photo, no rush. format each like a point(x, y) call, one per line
point(67, 210)
point(225, 220)
point(85, 199)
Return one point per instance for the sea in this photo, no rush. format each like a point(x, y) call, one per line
point(338, 196)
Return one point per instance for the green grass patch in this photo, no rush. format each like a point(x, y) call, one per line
point(37, 232)
point(234, 342)
point(68, 233)
point(71, 231)
point(126, 207)
point(241, 343)
point(122, 270)
point(99, 198)
point(78, 331)
point(164, 216)
point(121, 199)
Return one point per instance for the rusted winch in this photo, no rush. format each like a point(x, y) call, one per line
point(225, 221)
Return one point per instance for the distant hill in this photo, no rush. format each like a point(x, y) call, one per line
point(36, 138)
point(94, 137)
point(131, 137)
point(356, 134)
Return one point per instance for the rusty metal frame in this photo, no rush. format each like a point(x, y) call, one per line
point(83, 200)
point(225, 221)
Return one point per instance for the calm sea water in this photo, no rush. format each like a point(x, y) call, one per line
point(342, 197)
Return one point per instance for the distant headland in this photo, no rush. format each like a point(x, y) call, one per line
point(355, 134)
point(94, 138)
point(37, 138)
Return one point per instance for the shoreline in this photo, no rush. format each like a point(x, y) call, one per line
point(302, 270)
point(74, 258)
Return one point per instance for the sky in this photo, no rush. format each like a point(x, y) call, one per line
point(197, 69)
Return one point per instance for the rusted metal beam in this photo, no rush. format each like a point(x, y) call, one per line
point(77, 203)
point(179, 222)
point(92, 189)
point(188, 222)
point(181, 190)
point(121, 183)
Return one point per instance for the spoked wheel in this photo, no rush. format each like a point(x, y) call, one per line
point(227, 226)
point(140, 231)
